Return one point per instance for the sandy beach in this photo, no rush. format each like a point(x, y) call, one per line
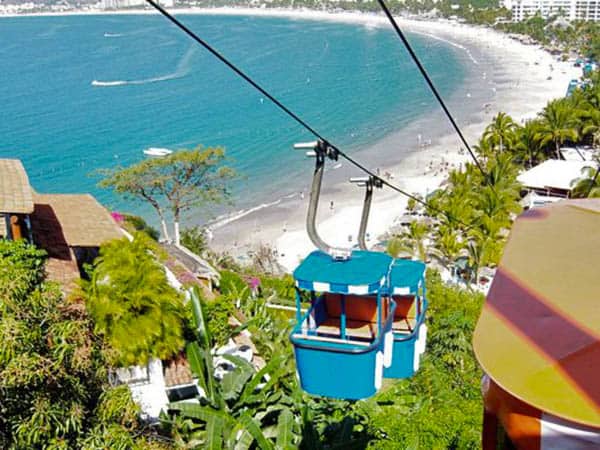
point(503, 75)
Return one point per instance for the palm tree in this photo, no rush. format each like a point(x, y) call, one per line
point(411, 241)
point(478, 250)
point(527, 144)
point(589, 184)
point(501, 132)
point(591, 124)
point(448, 244)
point(558, 123)
point(502, 173)
point(484, 148)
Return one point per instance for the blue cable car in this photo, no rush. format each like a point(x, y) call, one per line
point(352, 336)
point(406, 287)
point(340, 342)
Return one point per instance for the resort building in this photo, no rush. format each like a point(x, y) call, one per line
point(537, 338)
point(553, 177)
point(569, 9)
point(70, 227)
point(117, 4)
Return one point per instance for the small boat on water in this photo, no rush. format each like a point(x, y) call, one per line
point(157, 152)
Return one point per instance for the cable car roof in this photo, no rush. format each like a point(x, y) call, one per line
point(364, 273)
point(538, 336)
point(406, 276)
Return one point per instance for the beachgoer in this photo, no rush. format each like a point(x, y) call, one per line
point(331, 205)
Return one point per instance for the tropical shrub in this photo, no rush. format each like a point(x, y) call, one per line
point(53, 373)
point(441, 406)
point(137, 223)
point(194, 239)
point(134, 308)
point(21, 269)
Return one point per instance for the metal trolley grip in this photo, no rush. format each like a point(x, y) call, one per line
point(368, 183)
point(320, 150)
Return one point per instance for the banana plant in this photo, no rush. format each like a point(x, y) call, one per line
point(246, 408)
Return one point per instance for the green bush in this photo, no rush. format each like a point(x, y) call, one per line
point(281, 287)
point(21, 269)
point(441, 406)
point(218, 312)
point(53, 371)
point(194, 239)
point(137, 223)
point(232, 284)
point(133, 306)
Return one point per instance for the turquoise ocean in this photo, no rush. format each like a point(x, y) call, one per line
point(80, 93)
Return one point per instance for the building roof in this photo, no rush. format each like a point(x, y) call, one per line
point(553, 174)
point(538, 336)
point(80, 219)
point(15, 191)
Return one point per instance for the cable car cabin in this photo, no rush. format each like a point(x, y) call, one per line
point(407, 289)
point(339, 343)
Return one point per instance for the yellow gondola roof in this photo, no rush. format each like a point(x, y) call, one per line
point(538, 335)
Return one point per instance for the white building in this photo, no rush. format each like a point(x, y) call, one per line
point(116, 4)
point(552, 177)
point(569, 9)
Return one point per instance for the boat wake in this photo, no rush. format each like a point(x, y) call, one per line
point(183, 68)
point(109, 83)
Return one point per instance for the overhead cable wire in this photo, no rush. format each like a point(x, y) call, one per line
point(293, 115)
point(432, 87)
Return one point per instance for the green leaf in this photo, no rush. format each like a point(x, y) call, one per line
point(214, 429)
point(285, 434)
point(244, 441)
point(203, 413)
point(204, 337)
point(234, 382)
point(258, 378)
point(198, 365)
point(255, 431)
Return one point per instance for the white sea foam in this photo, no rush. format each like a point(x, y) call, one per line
point(225, 219)
point(182, 69)
point(449, 42)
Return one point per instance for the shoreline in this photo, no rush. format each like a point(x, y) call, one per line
point(503, 75)
point(517, 77)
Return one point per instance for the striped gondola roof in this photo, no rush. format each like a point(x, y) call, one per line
point(538, 336)
point(364, 273)
point(406, 276)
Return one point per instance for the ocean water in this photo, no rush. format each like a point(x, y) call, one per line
point(81, 93)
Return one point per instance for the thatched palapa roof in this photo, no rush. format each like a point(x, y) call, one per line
point(15, 191)
point(83, 222)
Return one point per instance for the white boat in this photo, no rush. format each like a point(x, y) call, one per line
point(155, 151)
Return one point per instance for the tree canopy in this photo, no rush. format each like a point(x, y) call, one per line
point(178, 182)
point(53, 372)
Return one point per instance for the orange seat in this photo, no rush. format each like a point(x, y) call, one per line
point(405, 317)
point(354, 328)
point(361, 316)
point(362, 308)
